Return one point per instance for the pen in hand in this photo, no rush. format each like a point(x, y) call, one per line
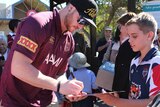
point(71, 72)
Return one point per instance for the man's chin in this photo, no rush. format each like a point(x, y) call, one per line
point(71, 30)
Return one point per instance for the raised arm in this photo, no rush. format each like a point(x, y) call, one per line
point(119, 102)
point(22, 69)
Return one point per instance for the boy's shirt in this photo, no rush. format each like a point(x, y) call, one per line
point(87, 77)
point(145, 76)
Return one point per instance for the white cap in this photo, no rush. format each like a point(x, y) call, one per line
point(108, 28)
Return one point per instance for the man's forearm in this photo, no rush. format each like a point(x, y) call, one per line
point(101, 47)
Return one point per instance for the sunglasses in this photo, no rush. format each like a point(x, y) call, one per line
point(82, 21)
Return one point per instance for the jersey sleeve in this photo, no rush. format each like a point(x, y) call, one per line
point(155, 77)
point(29, 38)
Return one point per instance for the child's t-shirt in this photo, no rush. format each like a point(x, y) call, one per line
point(145, 76)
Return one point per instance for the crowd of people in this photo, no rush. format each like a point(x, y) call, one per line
point(40, 50)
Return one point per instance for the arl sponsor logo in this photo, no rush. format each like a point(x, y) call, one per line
point(27, 43)
point(52, 59)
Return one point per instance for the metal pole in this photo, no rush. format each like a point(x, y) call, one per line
point(51, 5)
point(93, 59)
point(93, 40)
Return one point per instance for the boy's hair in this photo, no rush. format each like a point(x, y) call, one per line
point(125, 17)
point(117, 33)
point(145, 22)
point(13, 23)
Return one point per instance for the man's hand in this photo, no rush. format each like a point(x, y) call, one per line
point(71, 87)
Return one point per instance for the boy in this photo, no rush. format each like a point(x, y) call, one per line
point(78, 61)
point(121, 76)
point(145, 67)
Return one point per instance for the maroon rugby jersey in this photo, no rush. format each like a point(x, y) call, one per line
point(40, 38)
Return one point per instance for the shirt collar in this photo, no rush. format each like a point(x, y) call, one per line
point(12, 33)
point(57, 20)
point(152, 52)
point(125, 39)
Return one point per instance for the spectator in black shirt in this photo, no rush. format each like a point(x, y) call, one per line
point(103, 43)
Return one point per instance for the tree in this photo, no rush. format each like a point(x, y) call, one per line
point(109, 11)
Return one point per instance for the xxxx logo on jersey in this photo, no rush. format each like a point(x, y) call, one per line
point(28, 43)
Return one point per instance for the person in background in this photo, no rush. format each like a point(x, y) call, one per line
point(144, 68)
point(13, 24)
point(40, 54)
point(80, 43)
point(113, 48)
point(103, 43)
point(3, 51)
point(123, 59)
point(79, 62)
point(157, 40)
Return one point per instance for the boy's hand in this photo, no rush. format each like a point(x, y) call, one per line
point(108, 98)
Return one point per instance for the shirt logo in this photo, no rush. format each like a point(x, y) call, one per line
point(135, 91)
point(28, 43)
point(52, 59)
point(145, 71)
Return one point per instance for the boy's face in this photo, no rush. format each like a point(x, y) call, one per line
point(138, 40)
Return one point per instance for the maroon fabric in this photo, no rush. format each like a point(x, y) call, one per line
point(40, 38)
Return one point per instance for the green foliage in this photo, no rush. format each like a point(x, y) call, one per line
point(110, 11)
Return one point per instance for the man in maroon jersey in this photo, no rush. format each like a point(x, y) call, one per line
point(40, 54)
